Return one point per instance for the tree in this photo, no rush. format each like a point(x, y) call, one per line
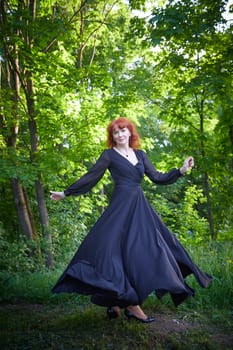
point(192, 37)
point(58, 81)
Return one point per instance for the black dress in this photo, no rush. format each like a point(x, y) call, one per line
point(129, 252)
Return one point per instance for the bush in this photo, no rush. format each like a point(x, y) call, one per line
point(20, 255)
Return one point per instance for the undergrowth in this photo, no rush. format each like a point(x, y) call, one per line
point(213, 258)
point(34, 318)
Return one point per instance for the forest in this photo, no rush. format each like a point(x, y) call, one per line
point(67, 68)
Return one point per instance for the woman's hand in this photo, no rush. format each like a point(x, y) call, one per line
point(188, 164)
point(57, 196)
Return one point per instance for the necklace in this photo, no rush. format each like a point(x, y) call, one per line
point(123, 154)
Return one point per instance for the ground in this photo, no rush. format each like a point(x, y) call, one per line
point(28, 326)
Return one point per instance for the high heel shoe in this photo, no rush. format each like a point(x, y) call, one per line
point(111, 313)
point(130, 315)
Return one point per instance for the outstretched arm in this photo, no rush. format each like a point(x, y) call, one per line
point(87, 181)
point(168, 177)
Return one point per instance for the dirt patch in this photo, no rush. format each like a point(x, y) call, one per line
point(166, 323)
point(168, 326)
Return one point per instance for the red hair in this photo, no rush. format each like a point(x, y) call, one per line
point(134, 140)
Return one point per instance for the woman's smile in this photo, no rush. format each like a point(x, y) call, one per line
point(121, 136)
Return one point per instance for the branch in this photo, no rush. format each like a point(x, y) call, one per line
point(179, 116)
point(54, 39)
point(100, 25)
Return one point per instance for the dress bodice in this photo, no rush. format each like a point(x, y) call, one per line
point(124, 172)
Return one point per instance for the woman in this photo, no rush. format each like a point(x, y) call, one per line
point(129, 252)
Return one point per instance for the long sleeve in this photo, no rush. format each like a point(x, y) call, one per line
point(159, 177)
point(90, 179)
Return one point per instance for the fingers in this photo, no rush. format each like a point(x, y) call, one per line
point(53, 196)
point(190, 162)
point(56, 196)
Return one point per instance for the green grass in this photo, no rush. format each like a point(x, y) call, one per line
point(68, 326)
point(32, 318)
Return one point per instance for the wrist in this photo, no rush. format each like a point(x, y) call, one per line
point(183, 170)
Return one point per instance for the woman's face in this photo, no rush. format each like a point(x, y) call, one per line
point(121, 136)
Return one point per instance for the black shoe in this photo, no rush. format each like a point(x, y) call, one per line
point(130, 315)
point(111, 313)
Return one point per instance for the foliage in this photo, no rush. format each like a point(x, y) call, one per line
point(17, 255)
point(216, 259)
point(192, 227)
point(189, 76)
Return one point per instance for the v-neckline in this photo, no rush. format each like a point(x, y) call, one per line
point(127, 160)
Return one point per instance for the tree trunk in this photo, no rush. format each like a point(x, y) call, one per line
point(12, 81)
point(22, 209)
point(44, 219)
point(29, 90)
point(209, 209)
point(206, 177)
point(231, 140)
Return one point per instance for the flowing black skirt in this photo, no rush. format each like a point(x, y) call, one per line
point(128, 254)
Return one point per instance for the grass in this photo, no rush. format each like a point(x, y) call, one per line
point(32, 318)
point(68, 326)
